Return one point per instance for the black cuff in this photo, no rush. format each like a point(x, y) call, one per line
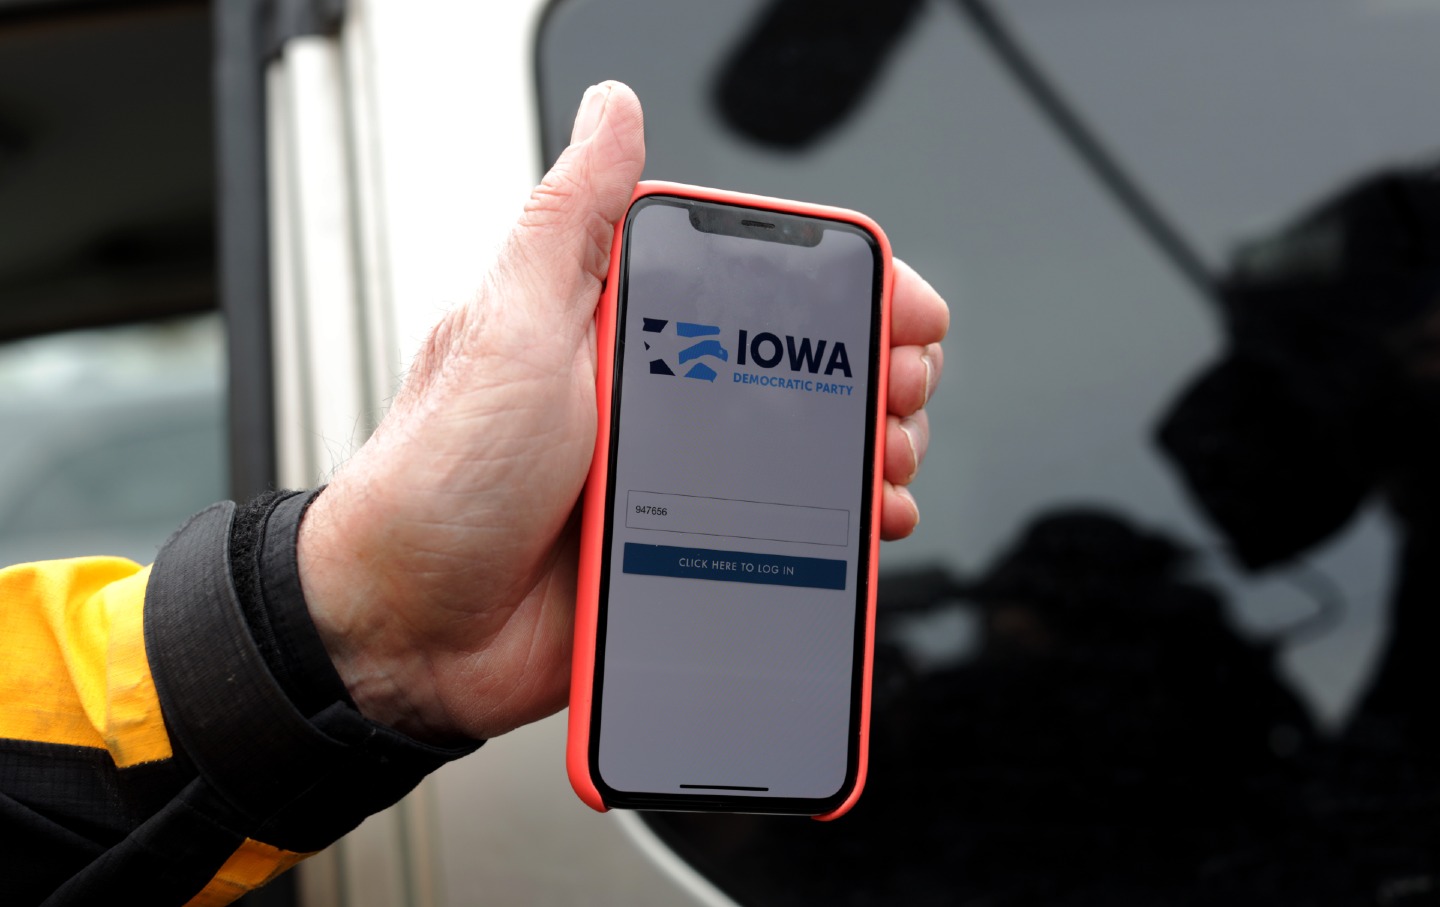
point(263, 563)
point(293, 782)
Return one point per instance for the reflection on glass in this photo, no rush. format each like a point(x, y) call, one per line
point(803, 66)
point(116, 436)
point(1168, 631)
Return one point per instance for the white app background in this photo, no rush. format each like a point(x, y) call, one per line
point(710, 683)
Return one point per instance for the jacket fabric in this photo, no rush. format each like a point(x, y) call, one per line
point(176, 733)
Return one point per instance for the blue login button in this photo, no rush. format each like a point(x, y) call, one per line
point(734, 566)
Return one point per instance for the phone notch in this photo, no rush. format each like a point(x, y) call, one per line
point(749, 223)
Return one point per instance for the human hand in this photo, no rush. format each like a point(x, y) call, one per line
point(439, 564)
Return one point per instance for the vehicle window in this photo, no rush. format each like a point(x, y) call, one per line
point(111, 351)
point(1166, 632)
point(117, 436)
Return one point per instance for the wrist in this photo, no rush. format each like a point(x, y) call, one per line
point(388, 676)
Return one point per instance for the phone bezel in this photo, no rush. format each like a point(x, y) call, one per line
point(731, 221)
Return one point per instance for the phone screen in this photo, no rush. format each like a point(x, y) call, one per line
point(732, 600)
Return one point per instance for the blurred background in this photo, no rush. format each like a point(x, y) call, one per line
point(112, 360)
point(1167, 632)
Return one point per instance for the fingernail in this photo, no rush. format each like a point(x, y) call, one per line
point(905, 493)
point(592, 109)
point(914, 452)
point(929, 375)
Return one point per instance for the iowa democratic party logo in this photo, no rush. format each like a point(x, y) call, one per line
point(705, 346)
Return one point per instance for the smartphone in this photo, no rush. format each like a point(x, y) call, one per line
point(730, 533)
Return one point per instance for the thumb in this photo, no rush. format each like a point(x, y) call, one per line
point(563, 238)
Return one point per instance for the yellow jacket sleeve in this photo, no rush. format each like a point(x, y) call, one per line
point(146, 745)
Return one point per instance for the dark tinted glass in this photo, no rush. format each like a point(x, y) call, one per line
point(106, 164)
point(1165, 635)
point(112, 357)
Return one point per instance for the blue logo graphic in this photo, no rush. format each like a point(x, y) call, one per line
point(701, 349)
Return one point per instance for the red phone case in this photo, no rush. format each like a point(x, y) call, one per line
point(582, 671)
